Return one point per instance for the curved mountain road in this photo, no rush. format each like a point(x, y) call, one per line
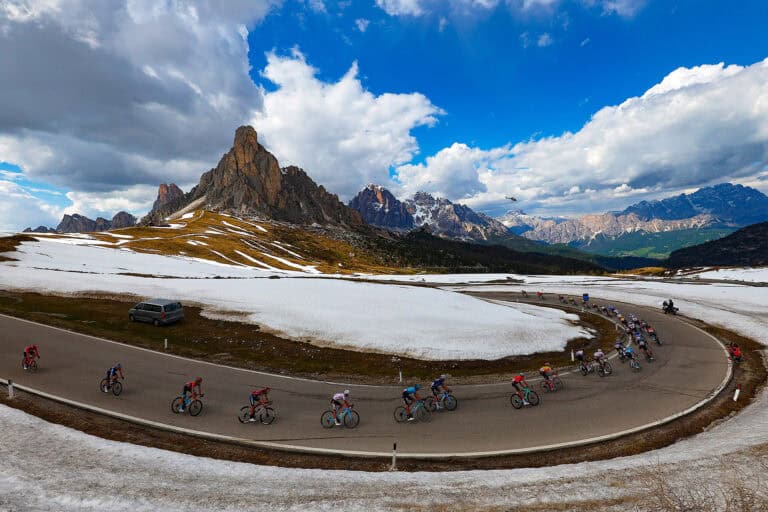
point(688, 368)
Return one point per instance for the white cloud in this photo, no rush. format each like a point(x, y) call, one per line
point(544, 40)
point(584, 42)
point(19, 207)
point(625, 8)
point(401, 7)
point(317, 5)
point(698, 126)
point(342, 134)
point(137, 199)
point(362, 24)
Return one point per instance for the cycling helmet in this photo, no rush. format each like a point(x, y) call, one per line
point(546, 364)
point(442, 377)
point(118, 366)
point(198, 380)
point(346, 392)
point(417, 387)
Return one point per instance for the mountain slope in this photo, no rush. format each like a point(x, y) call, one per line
point(746, 247)
point(378, 207)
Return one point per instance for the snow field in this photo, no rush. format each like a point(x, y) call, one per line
point(419, 322)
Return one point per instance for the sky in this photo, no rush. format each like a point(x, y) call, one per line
point(571, 107)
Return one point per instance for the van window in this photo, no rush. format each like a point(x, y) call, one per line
point(153, 307)
point(139, 306)
point(172, 307)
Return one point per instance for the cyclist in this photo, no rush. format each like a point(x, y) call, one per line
point(599, 357)
point(256, 398)
point(410, 395)
point(437, 386)
point(518, 381)
point(30, 353)
point(112, 374)
point(643, 345)
point(619, 346)
point(579, 355)
point(629, 353)
point(546, 371)
point(735, 353)
point(338, 401)
point(189, 387)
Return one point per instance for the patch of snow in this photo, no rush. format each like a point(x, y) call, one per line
point(258, 262)
point(280, 246)
point(311, 269)
point(188, 215)
point(196, 242)
point(748, 274)
point(212, 231)
point(116, 235)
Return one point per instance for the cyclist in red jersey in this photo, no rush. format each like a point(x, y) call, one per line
point(189, 387)
point(30, 353)
point(517, 382)
point(257, 397)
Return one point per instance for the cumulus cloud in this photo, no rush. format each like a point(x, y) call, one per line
point(544, 40)
point(342, 134)
point(362, 24)
point(97, 96)
point(401, 7)
point(624, 8)
point(698, 126)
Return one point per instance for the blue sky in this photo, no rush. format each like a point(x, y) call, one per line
point(573, 106)
point(493, 88)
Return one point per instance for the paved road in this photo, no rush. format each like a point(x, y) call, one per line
point(688, 368)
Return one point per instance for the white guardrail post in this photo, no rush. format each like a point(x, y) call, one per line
point(394, 457)
point(165, 344)
point(10, 389)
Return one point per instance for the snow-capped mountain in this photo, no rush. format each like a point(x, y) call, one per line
point(377, 206)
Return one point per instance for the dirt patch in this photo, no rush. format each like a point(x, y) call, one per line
point(9, 244)
point(214, 336)
point(751, 374)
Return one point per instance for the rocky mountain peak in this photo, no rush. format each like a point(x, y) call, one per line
point(377, 206)
point(248, 180)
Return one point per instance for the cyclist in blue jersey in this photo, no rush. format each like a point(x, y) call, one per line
point(410, 395)
point(438, 385)
point(113, 373)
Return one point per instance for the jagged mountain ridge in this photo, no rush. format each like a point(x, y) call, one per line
point(378, 207)
point(77, 223)
point(248, 180)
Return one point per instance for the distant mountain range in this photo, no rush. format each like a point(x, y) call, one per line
point(651, 228)
point(745, 247)
point(77, 223)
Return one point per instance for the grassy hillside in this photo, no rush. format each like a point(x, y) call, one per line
point(746, 247)
point(266, 245)
point(651, 245)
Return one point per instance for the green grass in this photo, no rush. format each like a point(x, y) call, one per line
point(651, 245)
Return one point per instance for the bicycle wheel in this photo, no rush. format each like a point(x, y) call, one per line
point(104, 386)
point(33, 366)
point(516, 401)
point(195, 408)
point(545, 386)
point(558, 384)
point(601, 371)
point(430, 403)
point(176, 404)
point(533, 398)
point(117, 388)
point(607, 368)
point(267, 415)
point(245, 414)
point(351, 419)
point(423, 414)
point(584, 370)
point(400, 414)
point(450, 403)
point(326, 419)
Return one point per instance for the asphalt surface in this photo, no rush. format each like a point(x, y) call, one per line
point(688, 367)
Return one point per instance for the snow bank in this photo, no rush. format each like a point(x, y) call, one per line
point(420, 322)
point(750, 275)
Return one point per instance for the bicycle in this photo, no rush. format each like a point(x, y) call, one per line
point(553, 384)
point(649, 355)
point(530, 397)
point(31, 367)
point(194, 407)
point(106, 386)
point(266, 414)
point(444, 400)
point(419, 412)
point(347, 417)
point(635, 365)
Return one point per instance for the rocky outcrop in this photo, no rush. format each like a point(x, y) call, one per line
point(122, 220)
point(377, 206)
point(39, 229)
point(452, 220)
point(249, 181)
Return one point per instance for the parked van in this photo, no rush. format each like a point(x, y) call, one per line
point(157, 311)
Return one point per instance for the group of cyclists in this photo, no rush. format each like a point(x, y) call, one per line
point(633, 328)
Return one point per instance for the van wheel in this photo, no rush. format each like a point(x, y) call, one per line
point(131, 318)
point(155, 322)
